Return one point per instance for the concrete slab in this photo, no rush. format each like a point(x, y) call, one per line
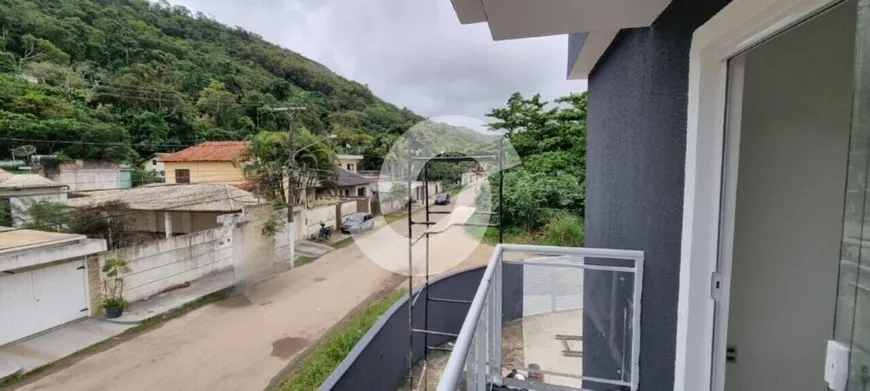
point(55, 344)
point(542, 348)
point(155, 305)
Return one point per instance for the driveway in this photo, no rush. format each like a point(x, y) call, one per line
point(241, 343)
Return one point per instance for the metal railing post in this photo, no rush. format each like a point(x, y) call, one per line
point(497, 321)
point(635, 323)
point(480, 356)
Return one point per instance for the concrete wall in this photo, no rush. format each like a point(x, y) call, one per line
point(379, 359)
point(182, 222)
point(311, 218)
point(209, 172)
point(257, 261)
point(794, 140)
point(239, 244)
point(88, 175)
point(348, 207)
point(162, 264)
point(636, 142)
point(283, 243)
point(21, 204)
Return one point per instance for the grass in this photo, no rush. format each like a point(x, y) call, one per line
point(560, 230)
point(342, 243)
point(319, 364)
point(392, 217)
point(303, 260)
point(143, 327)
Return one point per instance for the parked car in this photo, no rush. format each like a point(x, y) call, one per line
point(357, 222)
point(442, 199)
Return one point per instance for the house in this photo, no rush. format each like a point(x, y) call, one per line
point(172, 209)
point(155, 163)
point(208, 162)
point(348, 162)
point(43, 280)
point(18, 192)
point(727, 149)
point(351, 184)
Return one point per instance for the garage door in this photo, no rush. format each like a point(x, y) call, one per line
point(39, 299)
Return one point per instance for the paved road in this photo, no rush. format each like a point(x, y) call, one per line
point(243, 342)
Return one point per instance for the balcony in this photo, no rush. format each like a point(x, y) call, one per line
point(563, 291)
point(535, 317)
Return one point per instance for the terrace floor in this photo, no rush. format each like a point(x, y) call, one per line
point(525, 342)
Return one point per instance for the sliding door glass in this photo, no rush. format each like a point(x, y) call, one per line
point(852, 324)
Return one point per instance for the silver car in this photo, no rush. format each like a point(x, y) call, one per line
point(357, 222)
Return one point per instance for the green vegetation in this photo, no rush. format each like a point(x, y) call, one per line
point(317, 365)
point(118, 80)
point(543, 197)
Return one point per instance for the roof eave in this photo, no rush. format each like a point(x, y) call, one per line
point(596, 21)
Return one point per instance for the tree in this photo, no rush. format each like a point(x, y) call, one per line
point(266, 163)
point(552, 144)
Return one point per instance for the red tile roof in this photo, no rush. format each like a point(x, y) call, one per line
point(209, 151)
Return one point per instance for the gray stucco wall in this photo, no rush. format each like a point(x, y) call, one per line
point(379, 359)
point(636, 142)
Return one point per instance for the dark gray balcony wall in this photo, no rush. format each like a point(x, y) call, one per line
point(638, 96)
point(379, 359)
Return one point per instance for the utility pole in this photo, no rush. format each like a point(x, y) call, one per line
point(291, 150)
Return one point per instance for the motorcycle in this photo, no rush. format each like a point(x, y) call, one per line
point(324, 233)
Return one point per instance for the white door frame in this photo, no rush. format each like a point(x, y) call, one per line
point(741, 25)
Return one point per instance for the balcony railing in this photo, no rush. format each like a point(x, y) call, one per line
point(596, 287)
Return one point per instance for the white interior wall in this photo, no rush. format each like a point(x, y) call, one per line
point(791, 181)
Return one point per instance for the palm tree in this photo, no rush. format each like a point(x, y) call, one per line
point(265, 162)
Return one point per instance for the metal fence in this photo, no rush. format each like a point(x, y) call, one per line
point(554, 293)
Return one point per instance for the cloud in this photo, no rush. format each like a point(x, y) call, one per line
point(412, 53)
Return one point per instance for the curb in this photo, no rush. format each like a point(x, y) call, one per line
point(134, 322)
point(12, 374)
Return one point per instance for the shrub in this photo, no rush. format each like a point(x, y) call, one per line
point(562, 229)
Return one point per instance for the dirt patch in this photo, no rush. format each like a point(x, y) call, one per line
point(285, 348)
point(512, 351)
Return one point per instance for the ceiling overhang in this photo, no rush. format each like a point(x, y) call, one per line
point(597, 20)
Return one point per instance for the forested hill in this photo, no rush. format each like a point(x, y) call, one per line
point(120, 79)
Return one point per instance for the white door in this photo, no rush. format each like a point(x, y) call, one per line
point(37, 300)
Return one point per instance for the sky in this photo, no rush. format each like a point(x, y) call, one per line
point(412, 53)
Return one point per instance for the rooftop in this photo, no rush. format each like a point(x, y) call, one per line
point(26, 181)
point(13, 237)
point(209, 151)
point(350, 178)
point(196, 197)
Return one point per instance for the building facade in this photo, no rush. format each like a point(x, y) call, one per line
point(208, 162)
point(727, 140)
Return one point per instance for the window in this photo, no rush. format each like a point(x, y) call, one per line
point(154, 162)
point(361, 191)
point(182, 176)
point(350, 167)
